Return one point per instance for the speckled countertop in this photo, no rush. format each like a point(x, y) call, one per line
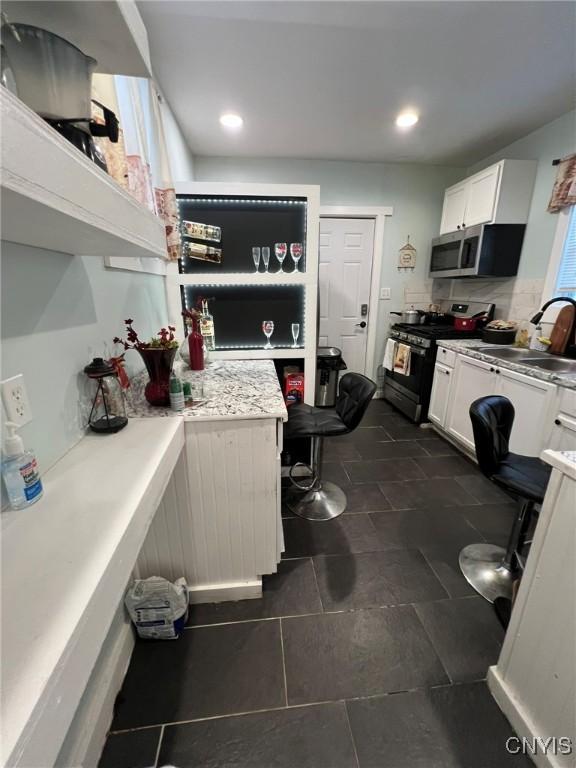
point(465, 346)
point(233, 389)
point(565, 461)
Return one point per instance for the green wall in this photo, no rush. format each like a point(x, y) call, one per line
point(414, 191)
point(58, 312)
point(554, 140)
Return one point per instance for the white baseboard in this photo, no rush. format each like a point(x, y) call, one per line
point(519, 719)
point(87, 734)
point(218, 593)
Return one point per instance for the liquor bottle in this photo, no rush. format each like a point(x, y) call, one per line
point(195, 345)
point(207, 327)
point(202, 252)
point(201, 231)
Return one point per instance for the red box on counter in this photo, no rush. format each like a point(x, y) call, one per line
point(293, 388)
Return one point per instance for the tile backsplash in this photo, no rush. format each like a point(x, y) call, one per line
point(515, 298)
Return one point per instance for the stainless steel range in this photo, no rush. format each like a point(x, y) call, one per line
point(411, 393)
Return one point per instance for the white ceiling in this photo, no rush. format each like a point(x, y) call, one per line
point(326, 79)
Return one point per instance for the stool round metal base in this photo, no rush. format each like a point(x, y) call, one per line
point(323, 503)
point(483, 567)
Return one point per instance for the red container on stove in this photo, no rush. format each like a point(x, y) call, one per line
point(465, 323)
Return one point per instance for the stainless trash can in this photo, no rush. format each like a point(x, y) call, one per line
point(329, 364)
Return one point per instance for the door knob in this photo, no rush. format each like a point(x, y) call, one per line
point(361, 325)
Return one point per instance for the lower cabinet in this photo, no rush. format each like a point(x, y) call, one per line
point(563, 434)
point(534, 403)
point(440, 394)
point(472, 379)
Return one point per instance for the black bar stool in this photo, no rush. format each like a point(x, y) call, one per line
point(323, 500)
point(491, 570)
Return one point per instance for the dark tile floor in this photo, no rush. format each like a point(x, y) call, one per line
point(367, 649)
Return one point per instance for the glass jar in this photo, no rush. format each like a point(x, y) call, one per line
point(108, 413)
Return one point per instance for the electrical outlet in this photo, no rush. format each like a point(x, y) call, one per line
point(15, 399)
point(384, 293)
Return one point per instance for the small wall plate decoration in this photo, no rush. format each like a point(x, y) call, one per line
point(407, 256)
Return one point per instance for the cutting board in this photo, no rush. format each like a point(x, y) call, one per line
point(560, 336)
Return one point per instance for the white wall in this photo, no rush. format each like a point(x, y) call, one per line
point(58, 312)
point(414, 191)
point(179, 153)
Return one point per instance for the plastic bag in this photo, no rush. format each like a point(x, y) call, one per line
point(158, 607)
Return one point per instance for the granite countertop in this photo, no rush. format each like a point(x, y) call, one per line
point(233, 389)
point(464, 346)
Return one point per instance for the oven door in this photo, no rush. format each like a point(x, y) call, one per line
point(445, 255)
point(411, 393)
point(419, 366)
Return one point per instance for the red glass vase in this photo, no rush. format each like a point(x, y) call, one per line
point(196, 347)
point(158, 363)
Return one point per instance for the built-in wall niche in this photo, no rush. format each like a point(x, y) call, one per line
point(240, 310)
point(243, 223)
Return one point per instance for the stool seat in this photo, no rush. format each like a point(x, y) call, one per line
point(307, 421)
point(492, 570)
point(524, 476)
point(324, 500)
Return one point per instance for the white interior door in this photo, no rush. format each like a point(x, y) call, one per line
point(346, 250)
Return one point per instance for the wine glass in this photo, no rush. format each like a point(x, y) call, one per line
point(280, 250)
point(256, 257)
point(268, 330)
point(266, 257)
point(296, 253)
point(295, 333)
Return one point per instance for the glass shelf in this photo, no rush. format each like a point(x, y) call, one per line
point(244, 222)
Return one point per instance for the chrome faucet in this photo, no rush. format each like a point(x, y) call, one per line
point(571, 348)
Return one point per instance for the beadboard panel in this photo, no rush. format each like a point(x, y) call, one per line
point(535, 679)
point(218, 523)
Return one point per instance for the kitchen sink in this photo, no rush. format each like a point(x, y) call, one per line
point(513, 353)
point(555, 364)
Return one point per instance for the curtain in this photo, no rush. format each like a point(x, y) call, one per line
point(564, 190)
point(162, 184)
point(139, 161)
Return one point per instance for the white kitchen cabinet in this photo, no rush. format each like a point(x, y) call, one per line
point(534, 403)
point(499, 194)
point(472, 379)
point(482, 193)
point(563, 434)
point(440, 394)
point(454, 208)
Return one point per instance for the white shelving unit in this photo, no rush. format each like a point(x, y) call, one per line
point(54, 197)
point(111, 32)
point(308, 279)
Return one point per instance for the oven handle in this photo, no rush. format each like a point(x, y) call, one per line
point(413, 349)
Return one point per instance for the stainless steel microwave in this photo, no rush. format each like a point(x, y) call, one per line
point(486, 250)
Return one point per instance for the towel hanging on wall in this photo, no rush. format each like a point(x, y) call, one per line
point(564, 190)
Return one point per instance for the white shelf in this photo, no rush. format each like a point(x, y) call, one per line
point(65, 564)
point(54, 197)
point(308, 280)
point(258, 354)
point(111, 32)
point(242, 278)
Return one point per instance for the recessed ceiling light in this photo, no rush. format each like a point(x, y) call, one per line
point(230, 120)
point(407, 119)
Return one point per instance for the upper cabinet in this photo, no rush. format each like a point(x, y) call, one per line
point(500, 194)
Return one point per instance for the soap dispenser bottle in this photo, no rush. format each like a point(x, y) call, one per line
point(20, 471)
